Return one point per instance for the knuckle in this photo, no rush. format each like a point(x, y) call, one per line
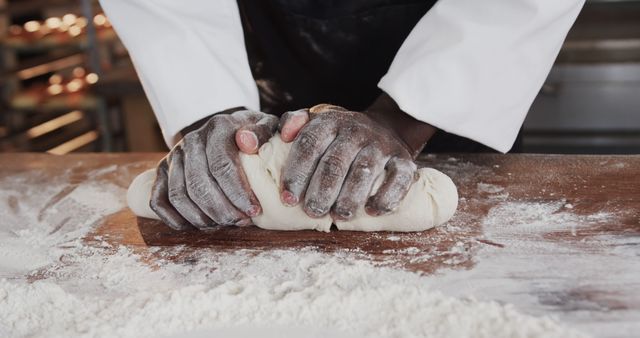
point(220, 121)
point(197, 189)
point(175, 195)
point(354, 129)
point(270, 120)
point(307, 142)
point(410, 166)
point(243, 113)
point(362, 169)
point(402, 165)
point(404, 178)
point(333, 166)
point(221, 117)
point(221, 166)
point(193, 141)
point(190, 138)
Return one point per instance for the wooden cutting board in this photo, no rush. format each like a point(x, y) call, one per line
point(588, 184)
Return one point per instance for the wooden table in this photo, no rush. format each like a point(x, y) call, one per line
point(552, 234)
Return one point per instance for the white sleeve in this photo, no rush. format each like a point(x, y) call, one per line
point(473, 68)
point(190, 57)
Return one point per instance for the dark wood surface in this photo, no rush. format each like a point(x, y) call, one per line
point(578, 187)
point(589, 183)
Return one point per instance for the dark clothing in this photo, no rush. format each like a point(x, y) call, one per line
point(305, 52)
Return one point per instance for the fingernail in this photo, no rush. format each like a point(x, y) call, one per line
point(249, 140)
point(289, 199)
point(343, 214)
point(371, 211)
point(253, 211)
point(289, 133)
point(244, 222)
point(314, 210)
point(285, 133)
point(291, 129)
point(300, 120)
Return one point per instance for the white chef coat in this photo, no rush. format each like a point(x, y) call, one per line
point(471, 68)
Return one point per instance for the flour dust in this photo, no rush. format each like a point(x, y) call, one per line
point(54, 284)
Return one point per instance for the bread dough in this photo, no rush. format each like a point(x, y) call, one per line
point(431, 201)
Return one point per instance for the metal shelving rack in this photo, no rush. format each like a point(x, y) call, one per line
point(50, 60)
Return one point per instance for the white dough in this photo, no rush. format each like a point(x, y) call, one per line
point(431, 201)
point(139, 194)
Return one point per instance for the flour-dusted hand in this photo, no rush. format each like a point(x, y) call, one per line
point(201, 183)
point(335, 158)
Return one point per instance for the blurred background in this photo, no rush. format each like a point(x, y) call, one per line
point(67, 84)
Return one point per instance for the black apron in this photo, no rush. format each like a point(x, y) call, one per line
point(305, 52)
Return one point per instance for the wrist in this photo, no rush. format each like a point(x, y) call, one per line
point(196, 125)
point(413, 133)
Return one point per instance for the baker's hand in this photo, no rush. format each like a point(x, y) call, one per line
point(336, 156)
point(201, 182)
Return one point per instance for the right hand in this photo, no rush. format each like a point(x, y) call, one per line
point(201, 183)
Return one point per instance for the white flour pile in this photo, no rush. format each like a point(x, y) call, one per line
point(102, 291)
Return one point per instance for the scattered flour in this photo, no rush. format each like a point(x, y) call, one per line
point(489, 188)
point(106, 295)
point(408, 251)
point(53, 284)
point(569, 275)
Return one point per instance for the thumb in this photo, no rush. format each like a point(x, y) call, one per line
point(291, 122)
point(249, 138)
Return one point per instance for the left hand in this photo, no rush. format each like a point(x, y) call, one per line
point(336, 156)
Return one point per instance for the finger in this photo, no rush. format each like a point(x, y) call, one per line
point(291, 123)
point(160, 204)
point(368, 164)
point(178, 195)
point(328, 177)
point(249, 138)
point(398, 180)
point(225, 167)
point(305, 153)
point(202, 189)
